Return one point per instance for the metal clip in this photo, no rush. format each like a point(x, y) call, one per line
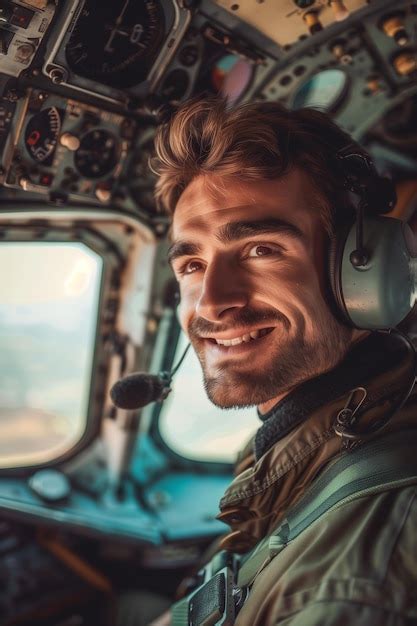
point(346, 416)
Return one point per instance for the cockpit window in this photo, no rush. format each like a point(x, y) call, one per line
point(192, 426)
point(49, 295)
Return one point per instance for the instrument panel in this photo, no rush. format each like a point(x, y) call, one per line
point(78, 110)
point(62, 148)
point(23, 26)
point(116, 49)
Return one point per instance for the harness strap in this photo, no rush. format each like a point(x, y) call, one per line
point(376, 466)
point(380, 465)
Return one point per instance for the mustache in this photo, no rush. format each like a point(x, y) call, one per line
point(246, 317)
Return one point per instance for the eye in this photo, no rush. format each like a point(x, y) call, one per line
point(264, 250)
point(189, 268)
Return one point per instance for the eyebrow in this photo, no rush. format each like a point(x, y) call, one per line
point(234, 231)
point(182, 248)
point(240, 230)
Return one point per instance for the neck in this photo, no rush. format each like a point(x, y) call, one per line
point(383, 363)
point(267, 406)
point(357, 335)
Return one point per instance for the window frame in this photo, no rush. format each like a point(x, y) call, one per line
point(78, 224)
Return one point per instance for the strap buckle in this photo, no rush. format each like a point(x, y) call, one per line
point(212, 604)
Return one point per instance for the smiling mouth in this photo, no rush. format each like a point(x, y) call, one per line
point(246, 338)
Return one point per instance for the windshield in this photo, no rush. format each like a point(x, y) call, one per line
point(193, 426)
point(49, 295)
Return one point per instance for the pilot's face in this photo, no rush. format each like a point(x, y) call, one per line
point(249, 258)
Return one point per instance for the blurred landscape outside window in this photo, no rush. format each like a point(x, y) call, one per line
point(194, 427)
point(49, 295)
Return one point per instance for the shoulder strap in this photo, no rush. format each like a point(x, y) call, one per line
point(380, 465)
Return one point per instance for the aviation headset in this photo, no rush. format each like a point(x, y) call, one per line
point(371, 263)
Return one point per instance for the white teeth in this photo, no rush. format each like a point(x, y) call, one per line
point(225, 342)
point(254, 334)
point(230, 342)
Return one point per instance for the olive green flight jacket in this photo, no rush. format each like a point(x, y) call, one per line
point(355, 566)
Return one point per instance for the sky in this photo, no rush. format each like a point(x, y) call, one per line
point(46, 282)
point(48, 312)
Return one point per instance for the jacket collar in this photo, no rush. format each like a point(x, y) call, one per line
point(378, 353)
point(300, 438)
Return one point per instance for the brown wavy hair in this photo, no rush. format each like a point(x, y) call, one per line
point(254, 141)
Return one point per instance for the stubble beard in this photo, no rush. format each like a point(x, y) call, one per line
point(293, 362)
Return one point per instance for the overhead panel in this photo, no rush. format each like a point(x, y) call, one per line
point(288, 21)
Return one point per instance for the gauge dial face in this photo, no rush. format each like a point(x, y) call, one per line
point(231, 76)
point(41, 134)
point(322, 91)
point(116, 43)
point(97, 155)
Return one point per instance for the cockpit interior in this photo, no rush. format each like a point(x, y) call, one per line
point(97, 501)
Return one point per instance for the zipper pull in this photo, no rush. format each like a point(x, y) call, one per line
point(346, 416)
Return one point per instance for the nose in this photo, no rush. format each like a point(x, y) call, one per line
point(223, 292)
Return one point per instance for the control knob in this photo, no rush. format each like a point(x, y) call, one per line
point(393, 26)
point(69, 141)
point(311, 18)
point(339, 10)
point(405, 63)
point(24, 52)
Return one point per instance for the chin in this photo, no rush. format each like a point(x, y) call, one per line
point(226, 393)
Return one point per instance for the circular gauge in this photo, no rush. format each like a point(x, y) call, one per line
point(322, 91)
point(51, 485)
point(41, 134)
point(175, 85)
point(237, 80)
point(231, 76)
point(97, 155)
point(220, 70)
point(116, 43)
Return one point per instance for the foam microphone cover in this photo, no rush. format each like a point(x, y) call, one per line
point(137, 390)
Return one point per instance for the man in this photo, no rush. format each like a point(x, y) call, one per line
point(257, 195)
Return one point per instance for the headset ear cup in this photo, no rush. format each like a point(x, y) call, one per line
point(380, 293)
point(336, 249)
